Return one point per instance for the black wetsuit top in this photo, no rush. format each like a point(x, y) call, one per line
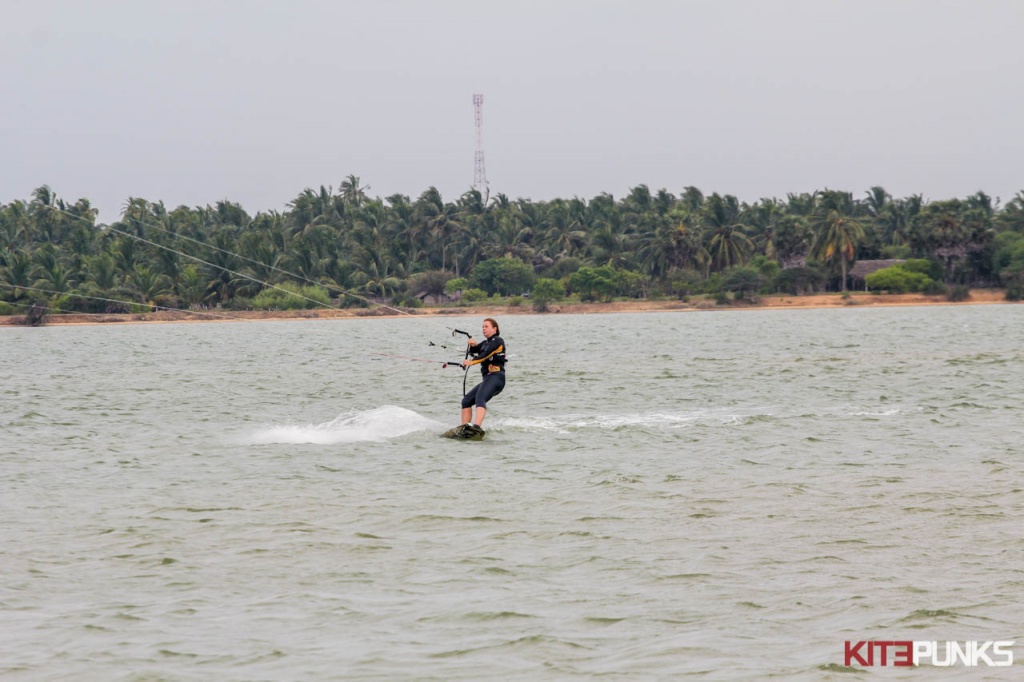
point(489, 354)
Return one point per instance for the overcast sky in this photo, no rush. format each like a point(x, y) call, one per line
point(193, 101)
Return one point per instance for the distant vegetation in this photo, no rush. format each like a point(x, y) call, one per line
point(348, 248)
point(912, 275)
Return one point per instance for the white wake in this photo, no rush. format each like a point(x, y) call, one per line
point(377, 424)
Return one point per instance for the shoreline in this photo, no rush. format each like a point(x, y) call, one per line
point(773, 302)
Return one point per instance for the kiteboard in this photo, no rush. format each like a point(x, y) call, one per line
point(465, 432)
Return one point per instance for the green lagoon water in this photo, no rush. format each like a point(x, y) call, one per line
point(722, 495)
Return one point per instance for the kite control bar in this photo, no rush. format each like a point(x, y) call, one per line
point(466, 373)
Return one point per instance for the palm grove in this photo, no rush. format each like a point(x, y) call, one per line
point(348, 248)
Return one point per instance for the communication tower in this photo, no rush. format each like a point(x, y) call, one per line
point(479, 176)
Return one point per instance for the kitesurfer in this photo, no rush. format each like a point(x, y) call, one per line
point(490, 355)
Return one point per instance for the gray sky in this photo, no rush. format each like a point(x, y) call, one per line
point(194, 101)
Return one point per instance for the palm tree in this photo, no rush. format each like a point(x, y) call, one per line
point(14, 232)
point(46, 212)
point(262, 257)
point(1012, 216)
point(352, 192)
point(877, 201)
point(441, 219)
point(510, 239)
point(638, 212)
point(223, 265)
point(638, 200)
point(125, 253)
point(608, 245)
point(951, 231)
point(763, 218)
point(727, 243)
point(674, 246)
point(135, 214)
point(314, 210)
point(664, 201)
point(55, 278)
point(469, 250)
point(401, 225)
point(192, 287)
point(231, 213)
point(477, 220)
point(169, 263)
point(18, 272)
point(601, 209)
point(692, 198)
point(102, 271)
point(378, 275)
point(838, 233)
point(564, 235)
point(802, 204)
point(152, 285)
point(303, 260)
point(371, 219)
point(729, 247)
point(791, 240)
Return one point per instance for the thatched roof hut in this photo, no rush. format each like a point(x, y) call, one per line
point(862, 268)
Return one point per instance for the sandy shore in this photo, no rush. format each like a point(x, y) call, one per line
point(978, 297)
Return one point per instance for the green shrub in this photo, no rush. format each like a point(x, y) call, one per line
point(897, 280)
point(453, 286)
point(742, 280)
point(798, 281)
point(768, 268)
point(291, 296)
point(563, 268)
point(546, 290)
point(928, 268)
point(681, 283)
point(474, 295)
point(631, 284)
point(592, 284)
point(503, 276)
point(1008, 253)
point(1013, 278)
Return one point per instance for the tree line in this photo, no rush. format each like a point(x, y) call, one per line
point(348, 247)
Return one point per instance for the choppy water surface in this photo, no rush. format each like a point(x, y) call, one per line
point(728, 495)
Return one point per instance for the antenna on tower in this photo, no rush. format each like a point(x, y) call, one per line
point(479, 176)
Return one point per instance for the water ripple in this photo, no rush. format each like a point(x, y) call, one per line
point(180, 501)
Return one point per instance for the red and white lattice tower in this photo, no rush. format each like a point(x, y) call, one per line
point(479, 176)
